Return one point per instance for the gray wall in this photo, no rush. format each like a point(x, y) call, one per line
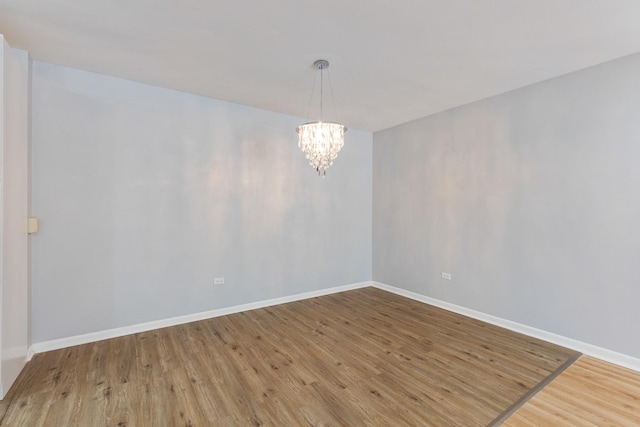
point(146, 194)
point(530, 199)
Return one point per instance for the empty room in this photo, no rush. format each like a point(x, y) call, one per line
point(292, 213)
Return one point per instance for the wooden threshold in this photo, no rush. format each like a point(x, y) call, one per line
point(528, 395)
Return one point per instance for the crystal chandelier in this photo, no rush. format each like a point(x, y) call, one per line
point(321, 141)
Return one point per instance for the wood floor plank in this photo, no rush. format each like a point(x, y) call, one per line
point(362, 357)
point(589, 392)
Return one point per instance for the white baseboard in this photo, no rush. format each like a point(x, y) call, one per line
point(588, 349)
point(30, 353)
point(585, 348)
point(149, 326)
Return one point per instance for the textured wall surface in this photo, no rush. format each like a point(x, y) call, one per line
point(529, 199)
point(146, 194)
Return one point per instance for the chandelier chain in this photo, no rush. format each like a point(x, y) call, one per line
point(321, 89)
point(313, 88)
point(333, 98)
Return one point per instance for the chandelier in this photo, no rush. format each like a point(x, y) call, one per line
point(321, 141)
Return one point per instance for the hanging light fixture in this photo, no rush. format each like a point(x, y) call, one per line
point(321, 141)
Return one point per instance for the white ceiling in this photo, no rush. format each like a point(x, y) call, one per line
point(391, 61)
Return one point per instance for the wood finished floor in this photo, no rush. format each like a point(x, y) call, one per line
point(588, 393)
point(362, 357)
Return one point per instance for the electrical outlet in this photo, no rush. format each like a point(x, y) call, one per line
point(446, 276)
point(218, 281)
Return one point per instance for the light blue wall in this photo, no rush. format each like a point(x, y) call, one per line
point(530, 199)
point(145, 195)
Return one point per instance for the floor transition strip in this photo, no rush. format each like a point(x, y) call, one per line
point(525, 398)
